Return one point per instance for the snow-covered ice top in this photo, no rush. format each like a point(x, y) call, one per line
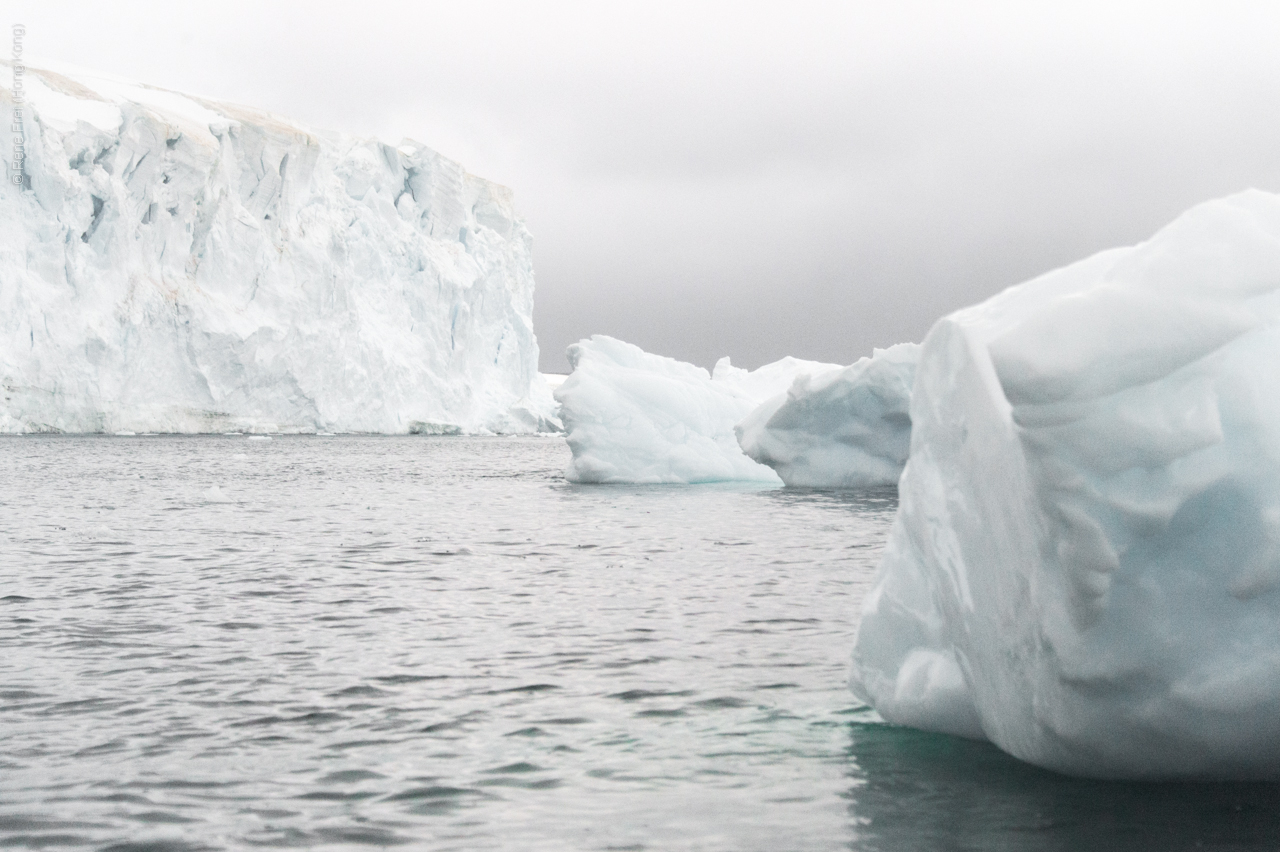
point(170, 263)
point(848, 428)
point(1085, 566)
point(632, 416)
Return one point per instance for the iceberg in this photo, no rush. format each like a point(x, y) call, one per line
point(634, 417)
point(846, 428)
point(1085, 564)
point(174, 264)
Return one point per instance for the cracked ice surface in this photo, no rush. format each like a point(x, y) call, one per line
point(180, 265)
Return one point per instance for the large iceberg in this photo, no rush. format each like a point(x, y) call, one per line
point(169, 263)
point(1085, 565)
point(631, 416)
point(848, 428)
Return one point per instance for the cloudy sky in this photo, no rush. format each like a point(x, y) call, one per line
point(755, 179)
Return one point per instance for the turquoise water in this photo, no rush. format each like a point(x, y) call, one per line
point(224, 643)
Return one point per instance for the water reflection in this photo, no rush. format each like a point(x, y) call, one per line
point(857, 500)
point(917, 791)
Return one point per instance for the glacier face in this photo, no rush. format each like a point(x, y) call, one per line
point(635, 417)
point(174, 264)
point(847, 428)
point(1085, 566)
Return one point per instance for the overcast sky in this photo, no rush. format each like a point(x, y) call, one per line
point(751, 179)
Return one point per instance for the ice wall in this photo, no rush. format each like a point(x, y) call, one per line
point(173, 264)
point(632, 416)
point(1085, 566)
point(848, 428)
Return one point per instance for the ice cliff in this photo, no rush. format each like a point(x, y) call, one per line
point(631, 416)
point(847, 428)
point(1085, 566)
point(168, 263)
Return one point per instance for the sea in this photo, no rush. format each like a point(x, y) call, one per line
point(297, 642)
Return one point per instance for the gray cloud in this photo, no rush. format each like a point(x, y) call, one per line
point(723, 178)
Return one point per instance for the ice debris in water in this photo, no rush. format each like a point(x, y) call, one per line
point(848, 428)
point(214, 494)
point(1085, 565)
point(173, 264)
point(631, 416)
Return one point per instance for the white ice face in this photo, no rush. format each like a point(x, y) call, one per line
point(173, 264)
point(636, 417)
point(1085, 566)
point(843, 428)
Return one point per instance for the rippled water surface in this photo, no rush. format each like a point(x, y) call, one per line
point(439, 643)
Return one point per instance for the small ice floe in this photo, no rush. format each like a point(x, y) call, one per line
point(240, 456)
point(125, 433)
point(554, 380)
point(259, 437)
point(847, 428)
point(324, 434)
point(214, 494)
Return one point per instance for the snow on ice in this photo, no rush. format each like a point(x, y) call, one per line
point(847, 428)
point(173, 264)
point(1085, 566)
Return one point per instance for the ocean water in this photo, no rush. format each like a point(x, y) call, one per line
point(438, 643)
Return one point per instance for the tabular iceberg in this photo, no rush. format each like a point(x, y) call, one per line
point(632, 416)
point(1085, 566)
point(848, 428)
point(168, 263)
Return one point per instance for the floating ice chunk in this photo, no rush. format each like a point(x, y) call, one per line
point(636, 417)
point(848, 428)
point(767, 381)
point(214, 494)
point(554, 380)
point(259, 437)
point(1089, 525)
